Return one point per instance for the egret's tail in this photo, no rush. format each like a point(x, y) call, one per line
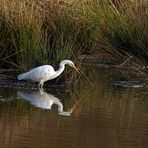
point(22, 76)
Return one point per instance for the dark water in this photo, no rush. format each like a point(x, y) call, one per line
point(106, 113)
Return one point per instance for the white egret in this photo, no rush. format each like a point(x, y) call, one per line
point(44, 100)
point(44, 73)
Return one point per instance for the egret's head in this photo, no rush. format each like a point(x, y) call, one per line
point(70, 63)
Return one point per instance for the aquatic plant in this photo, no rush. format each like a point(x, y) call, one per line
point(34, 32)
point(41, 32)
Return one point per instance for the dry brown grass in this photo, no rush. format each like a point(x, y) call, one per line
point(46, 31)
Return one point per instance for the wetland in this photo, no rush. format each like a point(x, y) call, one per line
point(103, 112)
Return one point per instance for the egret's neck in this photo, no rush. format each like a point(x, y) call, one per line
point(60, 70)
point(60, 107)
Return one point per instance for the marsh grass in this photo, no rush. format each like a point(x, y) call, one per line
point(35, 32)
point(122, 28)
point(40, 32)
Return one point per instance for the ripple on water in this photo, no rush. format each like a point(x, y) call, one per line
point(104, 116)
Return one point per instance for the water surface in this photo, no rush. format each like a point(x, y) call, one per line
point(101, 113)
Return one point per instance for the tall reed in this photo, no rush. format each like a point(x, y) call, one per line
point(34, 32)
point(41, 32)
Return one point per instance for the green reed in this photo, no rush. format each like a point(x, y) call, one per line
point(41, 32)
point(34, 32)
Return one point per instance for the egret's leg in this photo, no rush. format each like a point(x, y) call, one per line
point(39, 85)
point(42, 85)
point(41, 91)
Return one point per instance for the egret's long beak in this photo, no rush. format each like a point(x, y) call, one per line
point(78, 71)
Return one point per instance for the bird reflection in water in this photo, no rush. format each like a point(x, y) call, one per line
point(44, 100)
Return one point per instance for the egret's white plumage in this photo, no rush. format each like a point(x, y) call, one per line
point(44, 73)
point(44, 100)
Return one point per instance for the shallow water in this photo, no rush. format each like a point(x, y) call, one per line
point(103, 113)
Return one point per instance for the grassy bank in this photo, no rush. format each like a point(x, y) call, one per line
point(34, 32)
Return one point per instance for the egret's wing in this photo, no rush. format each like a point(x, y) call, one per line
point(40, 73)
point(36, 98)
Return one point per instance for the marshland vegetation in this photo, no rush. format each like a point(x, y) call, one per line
point(34, 32)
